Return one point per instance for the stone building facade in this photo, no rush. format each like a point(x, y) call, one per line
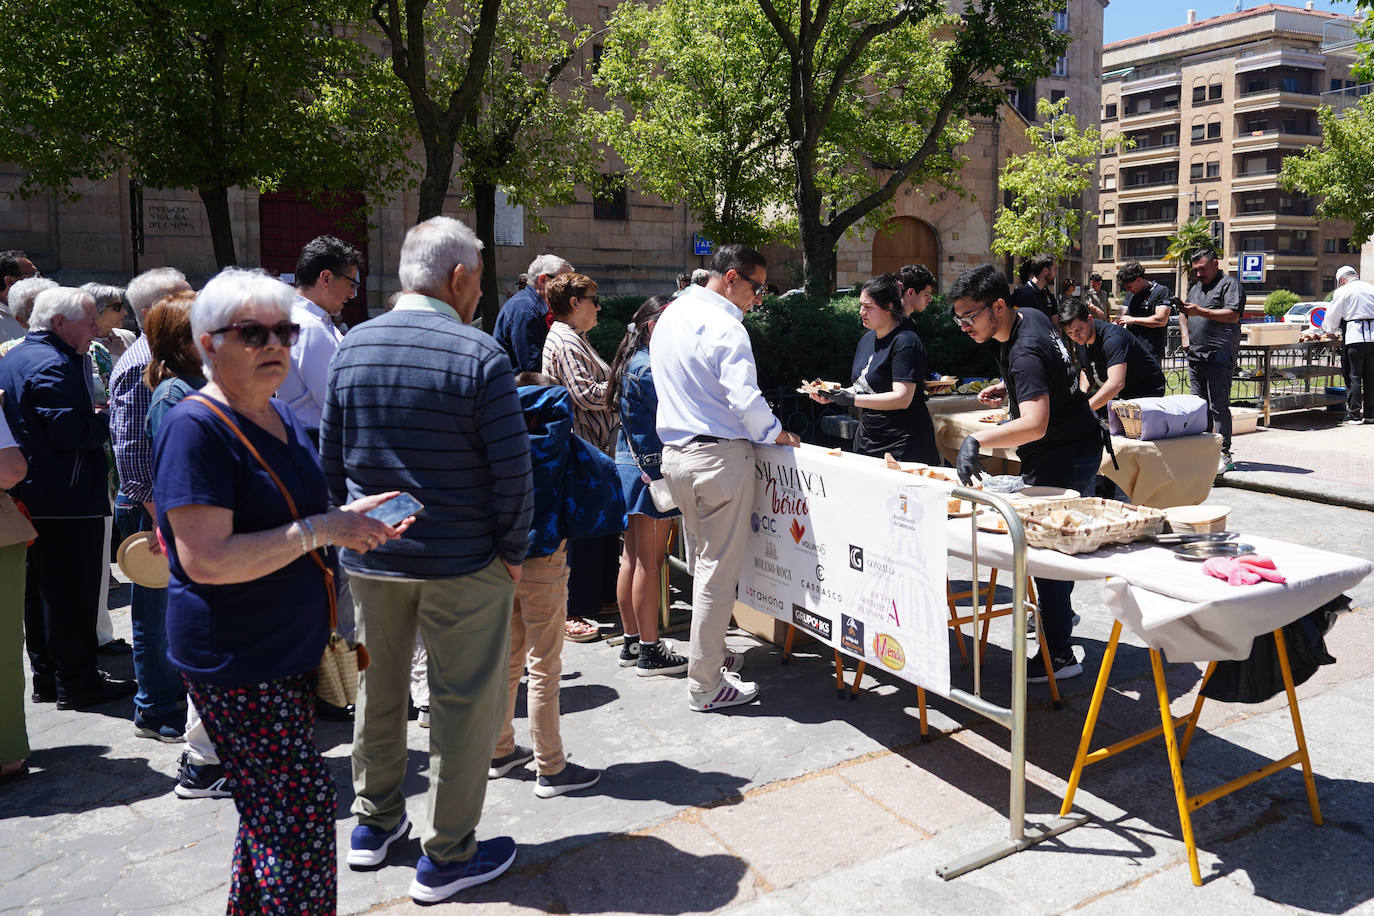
point(1214, 106)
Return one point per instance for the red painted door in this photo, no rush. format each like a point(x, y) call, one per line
point(289, 219)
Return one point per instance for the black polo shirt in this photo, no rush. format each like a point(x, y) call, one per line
point(1035, 363)
point(1215, 341)
point(1143, 305)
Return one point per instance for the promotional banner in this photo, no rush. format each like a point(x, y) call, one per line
point(854, 554)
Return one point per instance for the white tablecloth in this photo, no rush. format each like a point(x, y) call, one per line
point(1171, 604)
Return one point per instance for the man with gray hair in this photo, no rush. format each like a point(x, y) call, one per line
point(422, 402)
point(523, 321)
point(48, 408)
point(22, 294)
point(157, 705)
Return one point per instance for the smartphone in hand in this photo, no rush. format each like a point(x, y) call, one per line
point(396, 510)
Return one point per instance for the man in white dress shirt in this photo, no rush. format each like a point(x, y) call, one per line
point(710, 414)
point(1354, 304)
point(326, 279)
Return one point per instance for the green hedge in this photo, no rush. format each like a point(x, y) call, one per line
point(1280, 301)
point(800, 338)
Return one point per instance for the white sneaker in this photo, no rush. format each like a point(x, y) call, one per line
point(734, 661)
point(731, 692)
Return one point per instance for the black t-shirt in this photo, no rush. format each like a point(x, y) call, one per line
point(1143, 305)
point(878, 362)
point(1113, 346)
point(1032, 296)
point(1035, 363)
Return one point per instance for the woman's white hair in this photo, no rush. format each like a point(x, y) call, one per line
point(24, 292)
point(219, 303)
point(68, 301)
point(432, 250)
point(103, 294)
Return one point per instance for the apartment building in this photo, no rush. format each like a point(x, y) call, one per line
point(1213, 107)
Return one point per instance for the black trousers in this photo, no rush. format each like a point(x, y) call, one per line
point(592, 567)
point(1359, 397)
point(65, 573)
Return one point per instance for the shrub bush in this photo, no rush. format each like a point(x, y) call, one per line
point(1280, 301)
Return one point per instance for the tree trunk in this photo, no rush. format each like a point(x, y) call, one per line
point(484, 208)
point(817, 241)
point(216, 201)
point(438, 175)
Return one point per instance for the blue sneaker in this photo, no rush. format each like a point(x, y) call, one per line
point(435, 881)
point(368, 845)
point(167, 729)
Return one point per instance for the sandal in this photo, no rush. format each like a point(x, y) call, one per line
point(579, 629)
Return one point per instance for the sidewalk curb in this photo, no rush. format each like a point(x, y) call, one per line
point(1281, 485)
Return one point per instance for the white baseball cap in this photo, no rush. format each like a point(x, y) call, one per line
point(1347, 273)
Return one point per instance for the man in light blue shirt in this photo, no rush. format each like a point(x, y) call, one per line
point(326, 279)
point(710, 414)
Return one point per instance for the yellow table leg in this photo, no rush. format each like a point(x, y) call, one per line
point(1175, 764)
point(1307, 777)
point(1094, 708)
point(1197, 710)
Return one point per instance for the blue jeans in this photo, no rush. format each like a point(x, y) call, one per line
point(1056, 597)
point(160, 690)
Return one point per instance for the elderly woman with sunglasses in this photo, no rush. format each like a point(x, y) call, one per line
point(243, 511)
point(571, 361)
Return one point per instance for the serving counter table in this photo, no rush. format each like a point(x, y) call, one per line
point(1164, 473)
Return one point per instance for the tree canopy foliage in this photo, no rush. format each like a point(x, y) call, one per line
point(197, 94)
point(1046, 182)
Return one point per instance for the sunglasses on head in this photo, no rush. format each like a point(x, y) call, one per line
point(254, 333)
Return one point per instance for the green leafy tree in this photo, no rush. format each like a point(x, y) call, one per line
point(524, 133)
point(1044, 182)
point(1339, 172)
point(439, 57)
point(1193, 236)
point(695, 90)
point(197, 94)
point(864, 95)
point(1280, 301)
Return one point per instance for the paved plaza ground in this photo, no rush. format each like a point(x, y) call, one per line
point(800, 803)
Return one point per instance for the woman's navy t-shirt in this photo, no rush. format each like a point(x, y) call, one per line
point(248, 632)
point(908, 434)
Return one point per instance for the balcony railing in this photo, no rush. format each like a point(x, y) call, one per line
point(1142, 221)
point(1275, 211)
point(1149, 73)
point(1340, 100)
point(1250, 92)
point(1241, 135)
point(1135, 185)
point(1146, 147)
point(1257, 174)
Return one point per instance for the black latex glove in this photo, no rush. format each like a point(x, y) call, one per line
point(969, 464)
point(841, 396)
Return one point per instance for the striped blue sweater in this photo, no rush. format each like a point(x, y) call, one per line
point(421, 403)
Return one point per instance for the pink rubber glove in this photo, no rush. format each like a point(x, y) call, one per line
point(1262, 567)
point(1230, 571)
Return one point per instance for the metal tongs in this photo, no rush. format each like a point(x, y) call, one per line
point(1185, 538)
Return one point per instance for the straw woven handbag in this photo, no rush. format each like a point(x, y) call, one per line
point(337, 682)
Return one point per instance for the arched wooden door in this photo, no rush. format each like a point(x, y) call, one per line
point(906, 240)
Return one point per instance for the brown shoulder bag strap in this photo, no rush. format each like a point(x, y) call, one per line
point(290, 503)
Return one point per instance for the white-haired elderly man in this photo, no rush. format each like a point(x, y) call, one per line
point(21, 299)
point(523, 321)
point(157, 705)
point(420, 401)
point(1353, 305)
point(48, 408)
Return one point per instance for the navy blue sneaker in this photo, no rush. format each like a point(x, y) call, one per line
point(435, 881)
point(368, 845)
point(160, 728)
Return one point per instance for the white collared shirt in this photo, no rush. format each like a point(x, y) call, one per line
point(704, 373)
point(307, 381)
point(1353, 303)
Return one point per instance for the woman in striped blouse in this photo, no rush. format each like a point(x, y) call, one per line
point(573, 363)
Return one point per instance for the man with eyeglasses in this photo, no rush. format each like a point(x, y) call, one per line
point(1052, 428)
point(326, 279)
point(710, 414)
point(14, 266)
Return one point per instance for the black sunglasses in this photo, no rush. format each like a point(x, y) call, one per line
point(757, 287)
point(254, 333)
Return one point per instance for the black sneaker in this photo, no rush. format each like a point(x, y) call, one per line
point(659, 658)
point(629, 652)
point(201, 780)
point(1064, 668)
point(114, 647)
point(500, 766)
point(571, 778)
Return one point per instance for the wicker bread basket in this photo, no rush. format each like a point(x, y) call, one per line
point(1109, 522)
point(1129, 413)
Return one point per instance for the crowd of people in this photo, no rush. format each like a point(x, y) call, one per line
point(262, 442)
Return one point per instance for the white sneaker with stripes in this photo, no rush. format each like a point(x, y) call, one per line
point(731, 692)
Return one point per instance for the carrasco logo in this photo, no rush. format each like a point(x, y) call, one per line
point(856, 558)
point(887, 650)
point(811, 622)
point(797, 530)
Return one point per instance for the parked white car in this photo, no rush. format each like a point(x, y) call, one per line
point(1306, 313)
